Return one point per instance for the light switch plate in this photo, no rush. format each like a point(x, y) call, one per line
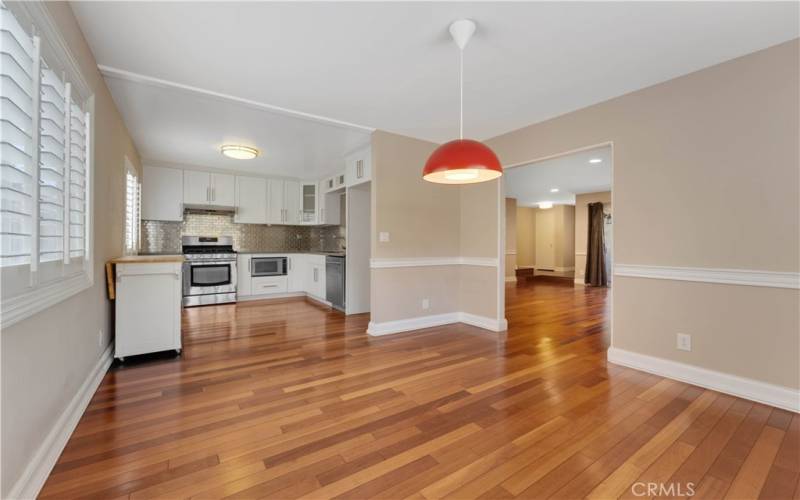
point(383, 237)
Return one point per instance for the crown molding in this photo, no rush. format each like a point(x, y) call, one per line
point(120, 74)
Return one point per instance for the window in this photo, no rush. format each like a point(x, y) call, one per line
point(45, 167)
point(133, 203)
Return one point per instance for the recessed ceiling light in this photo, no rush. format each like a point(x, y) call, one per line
point(554, 190)
point(596, 160)
point(239, 152)
point(545, 204)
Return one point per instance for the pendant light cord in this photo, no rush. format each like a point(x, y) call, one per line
point(461, 89)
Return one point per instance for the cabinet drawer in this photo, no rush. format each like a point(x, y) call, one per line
point(269, 284)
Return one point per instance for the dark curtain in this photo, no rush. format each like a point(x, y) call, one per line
point(596, 248)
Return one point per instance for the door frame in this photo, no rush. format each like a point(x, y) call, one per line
point(501, 225)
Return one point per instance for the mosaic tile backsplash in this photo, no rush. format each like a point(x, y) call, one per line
point(165, 237)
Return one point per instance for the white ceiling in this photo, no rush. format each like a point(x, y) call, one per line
point(174, 126)
point(392, 65)
point(571, 174)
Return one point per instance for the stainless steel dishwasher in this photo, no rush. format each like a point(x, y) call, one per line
point(334, 281)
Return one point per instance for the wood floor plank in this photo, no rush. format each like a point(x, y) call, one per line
point(290, 399)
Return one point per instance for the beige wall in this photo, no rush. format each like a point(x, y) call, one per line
point(700, 162)
point(511, 237)
point(424, 219)
point(479, 237)
point(526, 236)
point(582, 224)
point(47, 357)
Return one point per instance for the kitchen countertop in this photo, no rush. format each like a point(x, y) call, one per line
point(293, 252)
point(147, 259)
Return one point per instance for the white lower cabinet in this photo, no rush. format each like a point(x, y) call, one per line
point(315, 276)
point(263, 285)
point(296, 272)
point(305, 273)
point(243, 283)
point(148, 308)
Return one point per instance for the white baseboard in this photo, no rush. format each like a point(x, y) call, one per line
point(483, 322)
point(405, 325)
point(38, 469)
point(754, 390)
point(579, 281)
point(511, 279)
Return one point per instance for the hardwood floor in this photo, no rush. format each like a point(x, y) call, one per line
point(288, 400)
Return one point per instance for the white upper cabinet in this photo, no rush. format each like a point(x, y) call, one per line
point(223, 190)
point(196, 188)
point(162, 194)
point(251, 200)
point(276, 213)
point(358, 167)
point(291, 202)
point(329, 209)
point(310, 202)
point(206, 189)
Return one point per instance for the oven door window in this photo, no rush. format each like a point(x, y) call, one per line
point(266, 267)
point(211, 275)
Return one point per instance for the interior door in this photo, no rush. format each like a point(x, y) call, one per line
point(545, 240)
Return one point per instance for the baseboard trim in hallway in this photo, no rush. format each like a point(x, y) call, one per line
point(754, 390)
point(420, 322)
point(38, 469)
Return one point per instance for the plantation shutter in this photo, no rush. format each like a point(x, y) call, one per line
point(77, 181)
point(52, 162)
point(17, 183)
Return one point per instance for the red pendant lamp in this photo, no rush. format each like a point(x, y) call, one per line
point(462, 161)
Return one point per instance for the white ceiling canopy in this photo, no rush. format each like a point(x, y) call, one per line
point(570, 174)
point(393, 66)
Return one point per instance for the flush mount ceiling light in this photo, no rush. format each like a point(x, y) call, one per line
point(239, 152)
point(462, 161)
point(545, 204)
point(554, 190)
point(596, 160)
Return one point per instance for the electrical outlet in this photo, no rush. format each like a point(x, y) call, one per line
point(383, 237)
point(684, 342)
point(426, 304)
point(99, 338)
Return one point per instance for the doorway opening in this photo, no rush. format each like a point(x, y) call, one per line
point(559, 236)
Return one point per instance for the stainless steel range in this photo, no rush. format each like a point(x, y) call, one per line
point(209, 273)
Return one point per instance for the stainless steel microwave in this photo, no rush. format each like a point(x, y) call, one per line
point(268, 266)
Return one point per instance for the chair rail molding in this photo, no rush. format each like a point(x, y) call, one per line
point(746, 277)
point(383, 263)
